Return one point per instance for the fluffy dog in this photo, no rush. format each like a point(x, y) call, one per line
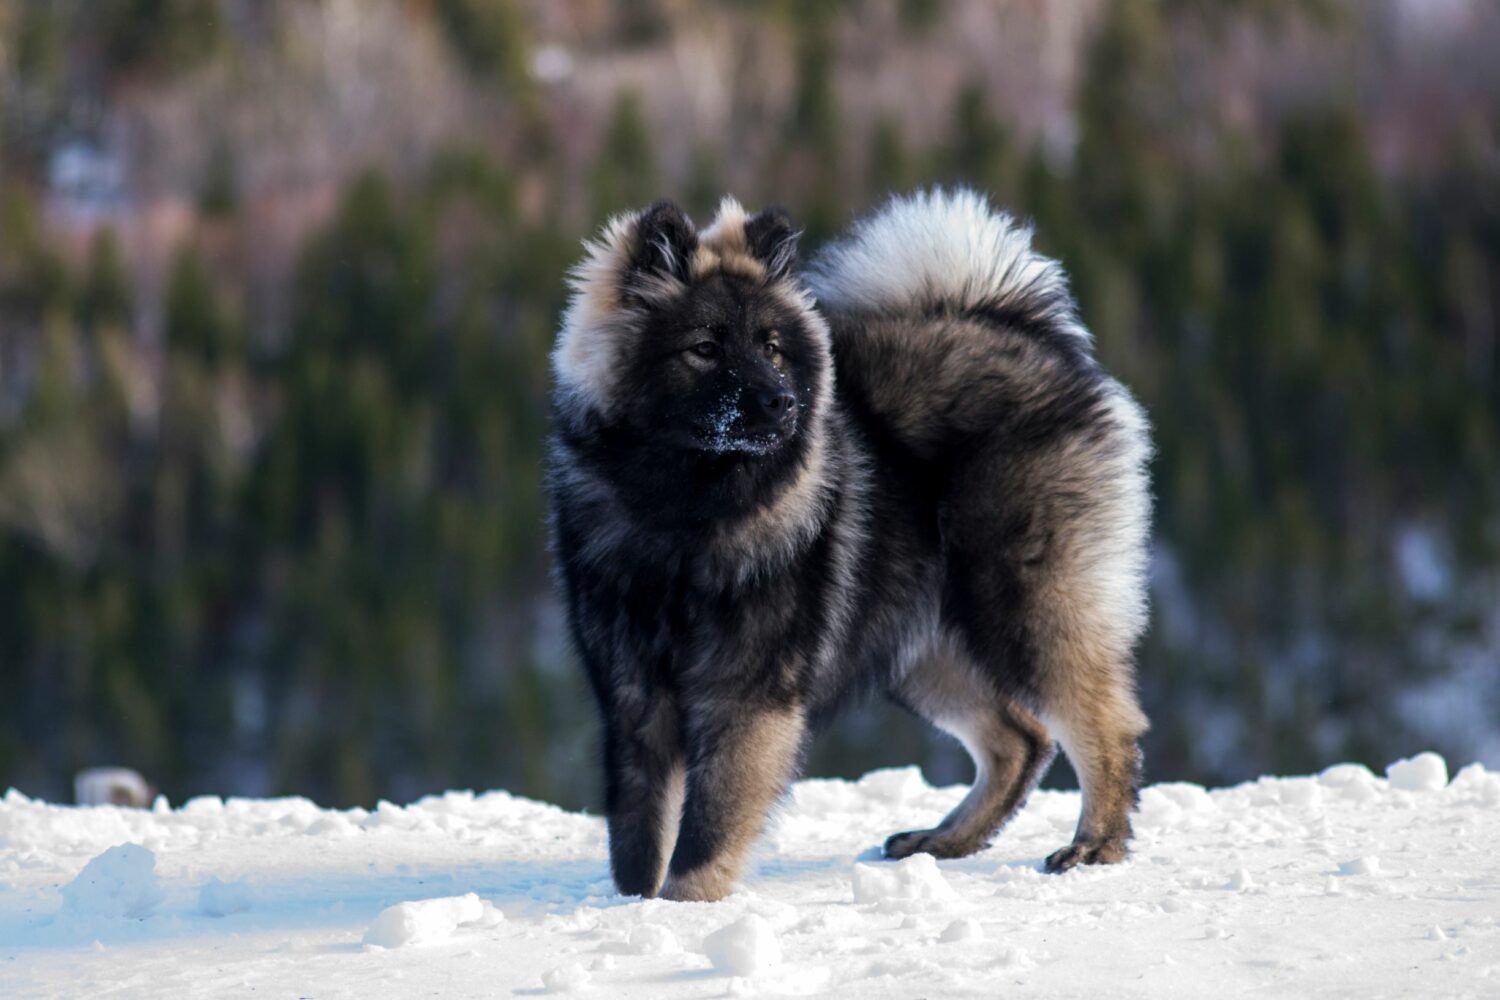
point(902, 470)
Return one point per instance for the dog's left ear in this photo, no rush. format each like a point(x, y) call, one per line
point(770, 238)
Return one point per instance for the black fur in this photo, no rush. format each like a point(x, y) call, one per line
point(729, 591)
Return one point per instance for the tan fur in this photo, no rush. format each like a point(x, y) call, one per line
point(589, 344)
point(1011, 588)
point(1009, 746)
point(671, 816)
point(758, 775)
point(722, 246)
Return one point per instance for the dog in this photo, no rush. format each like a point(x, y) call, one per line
point(899, 469)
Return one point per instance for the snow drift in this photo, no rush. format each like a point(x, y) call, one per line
point(1338, 884)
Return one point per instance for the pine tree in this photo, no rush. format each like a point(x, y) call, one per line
point(624, 173)
point(490, 37)
point(104, 300)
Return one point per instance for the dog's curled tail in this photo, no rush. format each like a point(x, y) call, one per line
point(946, 251)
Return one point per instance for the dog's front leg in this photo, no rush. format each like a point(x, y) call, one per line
point(643, 770)
point(739, 762)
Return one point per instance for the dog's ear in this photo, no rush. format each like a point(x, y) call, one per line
point(771, 239)
point(664, 243)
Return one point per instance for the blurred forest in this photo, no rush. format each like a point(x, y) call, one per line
point(278, 279)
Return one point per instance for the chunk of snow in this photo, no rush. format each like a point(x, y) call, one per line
point(1240, 881)
point(1011, 959)
point(1188, 796)
point(1351, 781)
point(1426, 772)
point(118, 884)
point(220, 899)
point(428, 921)
point(1156, 811)
point(1302, 792)
point(916, 877)
point(567, 979)
point(652, 939)
point(1368, 865)
point(962, 930)
point(743, 948)
point(893, 785)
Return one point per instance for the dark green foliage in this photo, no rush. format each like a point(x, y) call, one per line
point(978, 152)
point(641, 22)
point(490, 37)
point(154, 36)
point(218, 194)
point(104, 296)
point(624, 171)
point(309, 558)
point(920, 15)
point(197, 327)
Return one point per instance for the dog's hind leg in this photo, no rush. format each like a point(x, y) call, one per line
point(1046, 562)
point(1010, 747)
point(1099, 724)
point(643, 768)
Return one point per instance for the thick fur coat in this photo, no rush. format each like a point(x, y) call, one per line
point(901, 470)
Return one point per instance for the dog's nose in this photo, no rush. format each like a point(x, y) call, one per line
point(775, 404)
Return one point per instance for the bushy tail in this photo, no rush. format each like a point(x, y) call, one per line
point(945, 251)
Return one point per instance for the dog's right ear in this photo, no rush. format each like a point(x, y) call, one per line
point(664, 243)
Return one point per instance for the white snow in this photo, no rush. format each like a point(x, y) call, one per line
point(567, 979)
point(430, 921)
point(1426, 772)
point(1345, 883)
point(651, 939)
point(967, 929)
point(1368, 865)
point(743, 948)
point(916, 877)
point(118, 884)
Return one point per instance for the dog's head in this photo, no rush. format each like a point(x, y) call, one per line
point(703, 342)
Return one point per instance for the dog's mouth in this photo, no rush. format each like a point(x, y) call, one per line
point(728, 429)
point(732, 441)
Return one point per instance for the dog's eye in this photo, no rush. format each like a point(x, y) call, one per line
point(706, 349)
point(773, 349)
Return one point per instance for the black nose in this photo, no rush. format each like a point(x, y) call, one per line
point(775, 404)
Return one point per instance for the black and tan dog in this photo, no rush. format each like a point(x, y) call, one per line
point(902, 470)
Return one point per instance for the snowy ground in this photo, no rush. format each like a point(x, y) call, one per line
point(1344, 884)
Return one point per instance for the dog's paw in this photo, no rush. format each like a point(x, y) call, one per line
point(708, 884)
point(1086, 852)
point(934, 842)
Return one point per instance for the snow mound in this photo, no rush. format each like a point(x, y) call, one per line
point(913, 878)
point(1352, 781)
point(1348, 882)
point(119, 884)
point(430, 921)
point(743, 948)
point(1426, 772)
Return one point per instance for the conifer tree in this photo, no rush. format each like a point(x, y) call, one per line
point(624, 174)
